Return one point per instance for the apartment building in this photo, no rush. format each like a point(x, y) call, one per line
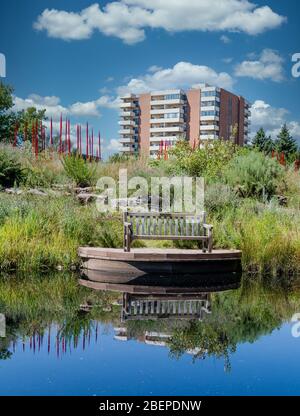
point(202, 113)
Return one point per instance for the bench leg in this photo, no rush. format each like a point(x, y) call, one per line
point(127, 239)
point(210, 241)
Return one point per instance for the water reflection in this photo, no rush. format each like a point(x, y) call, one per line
point(206, 317)
point(76, 325)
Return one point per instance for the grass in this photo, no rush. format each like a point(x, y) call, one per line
point(44, 233)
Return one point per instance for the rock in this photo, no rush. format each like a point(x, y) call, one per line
point(14, 191)
point(86, 198)
point(83, 190)
point(36, 192)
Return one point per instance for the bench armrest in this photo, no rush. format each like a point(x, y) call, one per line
point(208, 226)
point(127, 224)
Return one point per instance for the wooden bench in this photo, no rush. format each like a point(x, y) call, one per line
point(158, 226)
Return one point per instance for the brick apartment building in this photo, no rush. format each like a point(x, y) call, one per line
point(148, 120)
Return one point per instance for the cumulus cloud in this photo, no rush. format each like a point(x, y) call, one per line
point(269, 65)
point(128, 19)
point(272, 119)
point(51, 104)
point(53, 107)
point(182, 75)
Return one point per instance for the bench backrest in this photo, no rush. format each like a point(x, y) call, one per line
point(158, 224)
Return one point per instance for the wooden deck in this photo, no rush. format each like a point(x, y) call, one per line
point(141, 261)
point(159, 289)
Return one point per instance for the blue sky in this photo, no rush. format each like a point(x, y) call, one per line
point(78, 57)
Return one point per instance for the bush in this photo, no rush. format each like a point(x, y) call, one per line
point(254, 175)
point(11, 171)
point(77, 169)
point(208, 161)
point(219, 196)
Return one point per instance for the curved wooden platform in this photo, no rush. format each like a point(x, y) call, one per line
point(139, 262)
point(156, 288)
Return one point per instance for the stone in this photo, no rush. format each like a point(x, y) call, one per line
point(37, 192)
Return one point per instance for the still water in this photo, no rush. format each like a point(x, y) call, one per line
point(58, 337)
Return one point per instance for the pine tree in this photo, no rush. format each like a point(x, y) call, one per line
point(285, 142)
point(262, 142)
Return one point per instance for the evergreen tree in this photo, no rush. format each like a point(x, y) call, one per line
point(262, 142)
point(285, 142)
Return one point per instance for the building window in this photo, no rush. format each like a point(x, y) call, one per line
point(210, 93)
point(172, 115)
point(172, 97)
point(210, 113)
point(210, 104)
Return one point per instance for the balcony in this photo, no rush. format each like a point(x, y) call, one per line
point(166, 111)
point(178, 129)
point(127, 131)
point(126, 114)
point(213, 98)
point(127, 105)
point(127, 123)
point(127, 149)
point(126, 140)
point(211, 127)
point(210, 108)
point(166, 120)
point(209, 118)
point(208, 136)
point(177, 101)
point(154, 148)
point(159, 139)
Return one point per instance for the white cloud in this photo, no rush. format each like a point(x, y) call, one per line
point(227, 60)
point(182, 75)
point(50, 104)
point(85, 109)
point(225, 39)
point(113, 146)
point(154, 68)
point(54, 108)
point(128, 19)
point(272, 119)
point(106, 101)
point(64, 25)
point(269, 65)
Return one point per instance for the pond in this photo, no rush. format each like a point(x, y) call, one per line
point(58, 337)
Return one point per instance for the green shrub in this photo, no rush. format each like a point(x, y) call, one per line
point(219, 196)
point(11, 171)
point(254, 175)
point(77, 169)
point(209, 160)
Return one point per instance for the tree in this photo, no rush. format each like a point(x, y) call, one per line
point(27, 119)
point(262, 142)
point(285, 143)
point(7, 118)
point(24, 119)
